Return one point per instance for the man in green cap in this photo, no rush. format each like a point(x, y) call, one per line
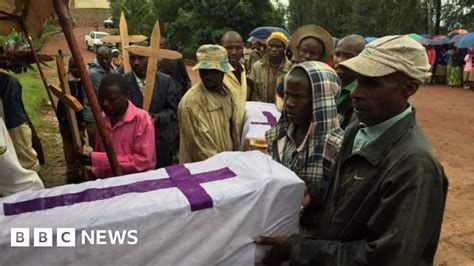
point(387, 192)
point(206, 112)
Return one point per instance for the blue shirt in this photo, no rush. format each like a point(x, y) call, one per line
point(366, 135)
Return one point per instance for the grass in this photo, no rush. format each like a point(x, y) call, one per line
point(33, 93)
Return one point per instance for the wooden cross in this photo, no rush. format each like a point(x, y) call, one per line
point(71, 103)
point(124, 39)
point(153, 53)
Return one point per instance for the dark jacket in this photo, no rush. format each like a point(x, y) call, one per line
point(163, 104)
point(10, 94)
point(96, 74)
point(182, 77)
point(77, 92)
point(384, 204)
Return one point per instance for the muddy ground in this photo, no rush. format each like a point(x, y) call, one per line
point(446, 115)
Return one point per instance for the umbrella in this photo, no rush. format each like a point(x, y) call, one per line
point(426, 36)
point(263, 32)
point(33, 15)
point(466, 41)
point(452, 35)
point(370, 39)
point(422, 40)
point(455, 38)
point(252, 39)
point(440, 40)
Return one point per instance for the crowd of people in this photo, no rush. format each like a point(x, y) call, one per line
point(375, 192)
point(451, 66)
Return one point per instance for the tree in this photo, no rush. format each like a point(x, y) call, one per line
point(167, 11)
point(438, 5)
point(374, 17)
point(462, 12)
point(139, 15)
point(299, 13)
point(205, 21)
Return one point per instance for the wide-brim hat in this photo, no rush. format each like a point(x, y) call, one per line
point(212, 56)
point(314, 31)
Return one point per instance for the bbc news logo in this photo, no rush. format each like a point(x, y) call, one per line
point(66, 237)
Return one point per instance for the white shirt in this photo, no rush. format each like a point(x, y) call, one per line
point(13, 177)
point(140, 82)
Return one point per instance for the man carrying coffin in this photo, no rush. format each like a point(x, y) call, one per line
point(163, 107)
point(131, 131)
point(207, 111)
point(307, 138)
point(236, 80)
point(386, 197)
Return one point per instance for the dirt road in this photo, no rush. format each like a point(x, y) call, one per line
point(446, 115)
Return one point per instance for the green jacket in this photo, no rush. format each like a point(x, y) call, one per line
point(259, 76)
point(207, 124)
point(384, 204)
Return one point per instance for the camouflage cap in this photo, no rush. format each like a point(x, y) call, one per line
point(212, 56)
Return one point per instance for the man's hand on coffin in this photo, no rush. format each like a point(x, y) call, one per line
point(154, 117)
point(306, 199)
point(85, 158)
point(280, 251)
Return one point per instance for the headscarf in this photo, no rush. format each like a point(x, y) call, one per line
point(313, 164)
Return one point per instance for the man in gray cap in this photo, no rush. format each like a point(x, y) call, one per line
point(387, 193)
point(207, 123)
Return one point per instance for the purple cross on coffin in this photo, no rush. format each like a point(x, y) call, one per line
point(179, 177)
point(271, 120)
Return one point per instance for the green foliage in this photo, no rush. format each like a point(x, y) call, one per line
point(48, 31)
point(190, 52)
point(33, 94)
point(460, 12)
point(139, 15)
point(196, 22)
point(378, 18)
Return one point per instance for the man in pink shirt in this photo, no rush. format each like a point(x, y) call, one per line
point(131, 131)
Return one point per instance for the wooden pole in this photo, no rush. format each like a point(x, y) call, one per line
point(40, 70)
point(60, 9)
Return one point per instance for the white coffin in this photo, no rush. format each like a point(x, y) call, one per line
point(263, 198)
point(257, 121)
